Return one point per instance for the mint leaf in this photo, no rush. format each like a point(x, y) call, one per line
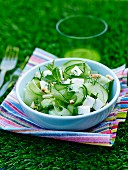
point(51, 66)
point(56, 74)
point(49, 79)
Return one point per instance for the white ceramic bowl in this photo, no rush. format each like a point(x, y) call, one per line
point(74, 123)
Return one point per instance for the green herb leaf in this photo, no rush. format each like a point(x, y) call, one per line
point(51, 66)
point(41, 74)
point(56, 74)
point(49, 79)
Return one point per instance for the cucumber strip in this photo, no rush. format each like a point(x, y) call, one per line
point(34, 87)
point(58, 95)
point(60, 86)
point(86, 70)
point(80, 96)
point(57, 112)
point(70, 107)
point(62, 92)
point(29, 96)
point(47, 103)
point(103, 80)
point(71, 63)
point(73, 109)
point(97, 89)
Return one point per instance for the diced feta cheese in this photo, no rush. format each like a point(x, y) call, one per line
point(67, 81)
point(76, 71)
point(47, 72)
point(83, 110)
point(76, 84)
point(98, 104)
point(43, 84)
point(89, 101)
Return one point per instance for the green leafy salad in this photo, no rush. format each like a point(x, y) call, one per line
point(70, 90)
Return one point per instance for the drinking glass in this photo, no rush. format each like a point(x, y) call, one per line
point(81, 36)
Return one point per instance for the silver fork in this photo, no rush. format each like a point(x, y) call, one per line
point(13, 78)
point(9, 61)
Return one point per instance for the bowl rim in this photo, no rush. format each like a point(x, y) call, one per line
point(68, 117)
point(61, 21)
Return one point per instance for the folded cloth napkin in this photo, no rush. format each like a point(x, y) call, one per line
point(12, 117)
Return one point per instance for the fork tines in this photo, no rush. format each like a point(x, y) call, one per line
point(11, 52)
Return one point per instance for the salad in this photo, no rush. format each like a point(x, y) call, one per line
point(70, 90)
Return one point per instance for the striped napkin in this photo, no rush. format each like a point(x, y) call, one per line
point(12, 117)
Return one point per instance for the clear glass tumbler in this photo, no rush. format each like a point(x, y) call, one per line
point(81, 36)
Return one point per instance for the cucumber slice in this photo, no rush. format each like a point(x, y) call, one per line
point(104, 81)
point(47, 103)
point(60, 86)
point(57, 112)
point(37, 82)
point(71, 63)
point(70, 107)
point(29, 96)
point(61, 92)
point(85, 71)
point(97, 89)
point(33, 85)
point(73, 109)
point(58, 95)
point(80, 96)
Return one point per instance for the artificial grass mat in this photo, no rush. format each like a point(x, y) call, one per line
point(30, 24)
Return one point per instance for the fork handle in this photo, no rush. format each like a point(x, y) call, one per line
point(2, 74)
point(4, 88)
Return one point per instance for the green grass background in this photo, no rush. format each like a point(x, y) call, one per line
point(31, 23)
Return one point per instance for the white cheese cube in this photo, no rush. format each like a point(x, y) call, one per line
point(67, 81)
point(98, 104)
point(76, 71)
point(43, 84)
point(83, 110)
point(47, 72)
point(89, 101)
point(76, 84)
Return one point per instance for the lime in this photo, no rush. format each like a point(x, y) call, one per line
point(83, 53)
